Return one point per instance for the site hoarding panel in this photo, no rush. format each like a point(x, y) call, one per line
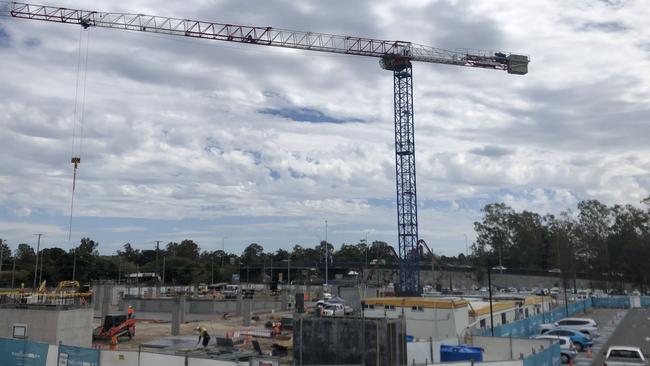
point(77, 356)
point(21, 352)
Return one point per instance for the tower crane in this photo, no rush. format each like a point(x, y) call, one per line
point(394, 56)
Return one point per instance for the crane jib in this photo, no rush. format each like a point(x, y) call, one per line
point(269, 36)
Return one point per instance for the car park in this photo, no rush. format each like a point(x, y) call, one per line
point(567, 349)
point(580, 340)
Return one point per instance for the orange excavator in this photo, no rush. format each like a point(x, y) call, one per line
point(115, 326)
point(389, 250)
point(434, 263)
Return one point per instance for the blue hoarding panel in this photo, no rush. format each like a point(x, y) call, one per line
point(17, 352)
point(77, 356)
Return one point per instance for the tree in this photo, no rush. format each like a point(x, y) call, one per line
point(594, 220)
point(280, 255)
point(129, 254)
point(25, 256)
point(6, 251)
point(186, 249)
point(252, 253)
point(494, 232)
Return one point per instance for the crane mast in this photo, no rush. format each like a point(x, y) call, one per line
point(395, 56)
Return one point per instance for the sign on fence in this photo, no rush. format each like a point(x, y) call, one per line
point(22, 352)
point(77, 356)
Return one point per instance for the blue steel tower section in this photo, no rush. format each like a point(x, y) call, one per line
point(407, 207)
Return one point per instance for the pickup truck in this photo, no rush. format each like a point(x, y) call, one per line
point(624, 356)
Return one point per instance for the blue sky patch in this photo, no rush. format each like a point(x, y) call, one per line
point(303, 114)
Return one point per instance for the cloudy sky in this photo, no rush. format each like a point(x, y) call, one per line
point(229, 144)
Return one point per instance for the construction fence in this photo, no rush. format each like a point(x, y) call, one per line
point(28, 353)
point(530, 326)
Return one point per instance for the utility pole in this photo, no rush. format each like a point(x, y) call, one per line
point(38, 249)
point(212, 262)
point(40, 271)
point(157, 250)
point(163, 276)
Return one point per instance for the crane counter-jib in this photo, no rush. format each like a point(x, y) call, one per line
point(269, 36)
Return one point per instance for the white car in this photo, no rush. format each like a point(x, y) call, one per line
point(333, 310)
point(625, 356)
point(582, 325)
point(567, 350)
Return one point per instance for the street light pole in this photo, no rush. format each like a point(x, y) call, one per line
point(326, 254)
point(13, 272)
point(566, 302)
point(490, 292)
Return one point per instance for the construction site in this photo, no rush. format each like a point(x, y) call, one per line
point(363, 304)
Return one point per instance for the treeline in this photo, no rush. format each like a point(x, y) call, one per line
point(607, 243)
point(175, 263)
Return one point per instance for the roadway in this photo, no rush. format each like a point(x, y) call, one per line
point(633, 330)
point(608, 320)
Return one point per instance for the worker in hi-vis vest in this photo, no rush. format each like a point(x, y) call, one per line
point(203, 334)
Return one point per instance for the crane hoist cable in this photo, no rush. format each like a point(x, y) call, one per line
point(76, 153)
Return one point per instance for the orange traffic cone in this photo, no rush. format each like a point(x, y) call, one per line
point(589, 355)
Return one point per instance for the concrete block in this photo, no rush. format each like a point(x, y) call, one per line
point(248, 310)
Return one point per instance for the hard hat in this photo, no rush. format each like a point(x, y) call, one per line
point(198, 327)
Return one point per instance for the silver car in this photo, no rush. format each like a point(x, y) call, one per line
point(567, 350)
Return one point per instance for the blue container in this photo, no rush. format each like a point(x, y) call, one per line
point(409, 338)
point(460, 353)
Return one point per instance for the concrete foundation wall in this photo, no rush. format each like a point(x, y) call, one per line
point(152, 308)
point(322, 341)
point(71, 327)
point(468, 279)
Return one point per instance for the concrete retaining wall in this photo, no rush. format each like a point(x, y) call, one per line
point(160, 308)
point(71, 327)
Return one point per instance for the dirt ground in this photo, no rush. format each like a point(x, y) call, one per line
point(146, 330)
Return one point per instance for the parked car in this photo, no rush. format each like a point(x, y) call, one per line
point(567, 349)
point(625, 356)
point(583, 325)
point(580, 340)
point(333, 310)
